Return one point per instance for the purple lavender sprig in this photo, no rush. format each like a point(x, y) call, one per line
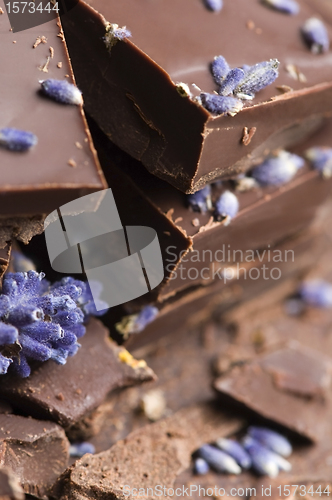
point(39, 321)
point(227, 206)
point(315, 35)
point(286, 6)
point(219, 105)
point(256, 78)
point(61, 91)
point(235, 450)
point(316, 293)
point(321, 160)
point(277, 170)
point(201, 200)
point(219, 69)
point(17, 140)
point(219, 460)
point(214, 5)
point(271, 439)
point(231, 81)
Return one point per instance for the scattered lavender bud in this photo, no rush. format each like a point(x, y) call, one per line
point(201, 467)
point(286, 6)
point(256, 78)
point(262, 460)
point(219, 105)
point(135, 323)
point(272, 440)
point(62, 91)
point(231, 81)
point(219, 69)
point(4, 364)
point(219, 460)
point(316, 293)
point(277, 170)
point(321, 160)
point(214, 5)
point(115, 34)
point(226, 206)
point(17, 140)
point(201, 200)
point(316, 35)
point(80, 449)
point(235, 450)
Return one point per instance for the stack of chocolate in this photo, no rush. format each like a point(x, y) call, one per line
point(211, 123)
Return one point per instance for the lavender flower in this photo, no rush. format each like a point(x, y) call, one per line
point(219, 105)
point(286, 6)
point(235, 450)
point(256, 78)
point(316, 35)
point(231, 81)
point(264, 461)
point(226, 206)
point(201, 467)
point(321, 160)
point(62, 91)
point(316, 293)
point(201, 200)
point(214, 5)
point(219, 69)
point(135, 323)
point(272, 440)
point(219, 460)
point(277, 170)
point(80, 449)
point(17, 140)
point(115, 34)
point(39, 321)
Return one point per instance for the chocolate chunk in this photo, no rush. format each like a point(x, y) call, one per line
point(20, 228)
point(67, 393)
point(39, 180)
point(10, 488)
point(174, 137)
point(36, 451)
point(148, 457)
point(290, 387)
point(4, 259)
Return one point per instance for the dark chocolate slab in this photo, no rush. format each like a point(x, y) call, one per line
point(67, 393)
point(35, 450)
point(134, 99)
point(41, 179)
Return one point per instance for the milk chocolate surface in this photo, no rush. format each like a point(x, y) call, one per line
point(133, 97)
point(10, 488)
point(67, 393)
point(41, 179)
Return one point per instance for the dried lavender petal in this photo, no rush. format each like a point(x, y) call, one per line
point(135, 323)
point(201, 467)
point(257, 77)
point(226, 206)
point(219, 69)
point(219, 460)
point(321, 160)
point(219, 105)
point(272, 440)
point(231, 81)
point(214, 5)
point(201, 200)
point(235, 450)
point(316, 293)
point(316, 36)
point(61, 91)
point(17, 140)
point(114, 34)
point(286, 6)
point(263, 460)
point(80, 449)
point(277, 170)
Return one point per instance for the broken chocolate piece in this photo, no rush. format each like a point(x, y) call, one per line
point(4, 259)
point(36, 451)
point(67, 393)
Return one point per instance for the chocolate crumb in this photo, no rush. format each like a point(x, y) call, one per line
point(59, 65)
point(178, 219)
point(67, 76)
point(44, 68)
point(250, 24)
point(78, 391)
point(284, 89)
point(60, 396)
point(78, 145)
point(14, 41)
point(195, 222)
point(295, 73)
point(1, 11)
point(39, 40)
point(248, 135)
point(72, 163)
point(51, 52)
point(167, 233)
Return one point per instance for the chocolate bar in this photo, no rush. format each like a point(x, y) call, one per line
point(35, 450)
point(63, 164)
point(65, 394)
point(134, 94)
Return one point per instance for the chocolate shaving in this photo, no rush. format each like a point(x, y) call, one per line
point(248, 134)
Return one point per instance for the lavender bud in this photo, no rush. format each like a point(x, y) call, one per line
point(316, 36)
point(235, 450)
point(231, 81)
point(115, 34)
point(201, 467)
point(286, 6)
point(201, 200)
point(321, 160)
point(17, 140)
point(316, 293)
point(62, 91)
point(257, 78)
point(262, 460)
point(135, 323)
point(219, 105)
point(226, 206)
point(4, 364)
point(294, 307)
point(80, 449)
point(21, 263)
point(219, 460)
point(8, 334)
point(277, 170)
point(219, 69)
point(272, 440)
point(214, 5)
